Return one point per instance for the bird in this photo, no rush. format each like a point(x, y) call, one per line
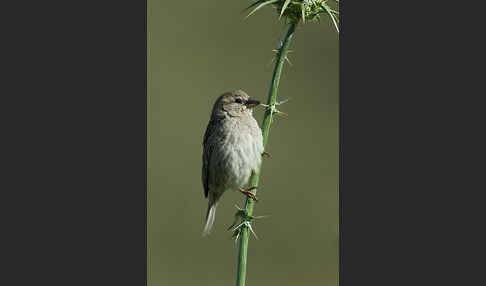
point(232, 150)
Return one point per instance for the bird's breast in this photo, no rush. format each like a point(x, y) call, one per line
point(242, 149)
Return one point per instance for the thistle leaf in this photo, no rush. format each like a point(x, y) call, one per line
point(286, 3)
point(252, 5)
point(262, 4)
point(332, 15)
point(302, 9)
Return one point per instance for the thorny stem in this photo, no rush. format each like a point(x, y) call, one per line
point(267, 120)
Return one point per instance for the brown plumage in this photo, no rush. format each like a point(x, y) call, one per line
point(232, 149)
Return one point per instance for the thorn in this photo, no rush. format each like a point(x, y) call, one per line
point(283, 101)
point(247, 224)
point(274, 110)
point(251, 229)
point(237, 227)
point(245, 221)
point(241, 213)
point(287, 58)
point(260, 217)
point(280, 113)
point(231, 226)
point(276, 103)
point(269, 63)
point(237, 236)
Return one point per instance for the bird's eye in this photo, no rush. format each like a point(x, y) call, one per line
point(238, 100)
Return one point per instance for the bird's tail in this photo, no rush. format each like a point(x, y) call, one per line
point(210, 215)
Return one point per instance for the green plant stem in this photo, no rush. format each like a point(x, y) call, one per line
point(267, 121)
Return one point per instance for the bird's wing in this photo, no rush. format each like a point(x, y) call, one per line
point(207, 150)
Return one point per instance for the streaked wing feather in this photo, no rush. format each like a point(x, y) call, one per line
point(210, 129)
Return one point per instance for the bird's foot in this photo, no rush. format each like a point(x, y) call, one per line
point(246, 191)
point(266, 154)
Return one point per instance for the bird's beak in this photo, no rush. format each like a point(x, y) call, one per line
point(250, 103)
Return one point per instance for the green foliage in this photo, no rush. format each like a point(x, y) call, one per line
point(293, 11)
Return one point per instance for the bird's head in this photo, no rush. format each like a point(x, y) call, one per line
point(235, 104)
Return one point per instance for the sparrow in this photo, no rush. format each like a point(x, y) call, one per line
point(232, 150)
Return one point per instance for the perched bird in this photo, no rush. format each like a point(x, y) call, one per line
point(232, 149)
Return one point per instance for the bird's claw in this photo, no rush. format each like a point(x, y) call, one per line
point(248, 193)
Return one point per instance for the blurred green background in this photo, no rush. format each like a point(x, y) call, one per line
point(196, 51)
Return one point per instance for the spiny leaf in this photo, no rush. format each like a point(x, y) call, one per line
point(335, 24)
point(255, 3)
point(302, 9)
point(286, 3)
point(262, 4)
point(332, 16)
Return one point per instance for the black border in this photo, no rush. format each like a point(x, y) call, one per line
point(407, 132)
point(76, 175)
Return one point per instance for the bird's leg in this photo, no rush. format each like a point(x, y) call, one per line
point(247, 192)
point(265, 153)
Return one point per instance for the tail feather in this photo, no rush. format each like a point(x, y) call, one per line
point(210, 215)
